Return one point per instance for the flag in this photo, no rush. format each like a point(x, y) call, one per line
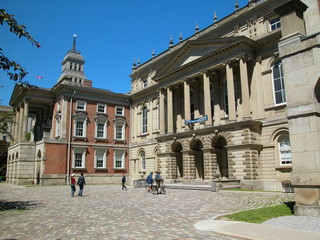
point(39, 77)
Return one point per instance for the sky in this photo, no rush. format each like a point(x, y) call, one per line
point(110, 35)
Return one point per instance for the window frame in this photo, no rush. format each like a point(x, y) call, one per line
point(58, 126)
point(144, 120)
point(103, 153)
point(142, 157)
point(101, 105)
point(116, 153)
point(275, 24)
point(283, 161)
point(76, 152)
point(118, 108)
point(81, 105)
point(77, 119)
point(101, 120)
point(282, 90)
point(121, 123)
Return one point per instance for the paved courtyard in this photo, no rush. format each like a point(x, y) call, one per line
point(107, 212)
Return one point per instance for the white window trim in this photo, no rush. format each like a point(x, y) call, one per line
point(115, 151)
point(279, 152)
point(144, 127)
point(104, 121)
point(273, 87)
point(274, 24)
point(78, 102)
point(102, 104)
point(58, 126)
point(82, 151)
point(104, 163)
point(116, 112)
point(83, 118)
point(119, 122)
point(141, 160)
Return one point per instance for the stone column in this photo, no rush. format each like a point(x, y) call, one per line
point(187, 112)
point(20, 132)
point(231, 97)
point(216, 102)
point(25, 120)
point(244, 87)
point(16, 136)
point(162, 112)
point(210, 163)
point(196, 99)
point(170, 110)
point(178, 104)
point(207, 98)
point(13, 127)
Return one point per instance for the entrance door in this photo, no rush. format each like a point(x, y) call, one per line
point(222, 157)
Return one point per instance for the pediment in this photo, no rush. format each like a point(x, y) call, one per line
point(196, 50)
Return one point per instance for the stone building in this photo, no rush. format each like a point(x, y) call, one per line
point(215, 105)
point(70, 128)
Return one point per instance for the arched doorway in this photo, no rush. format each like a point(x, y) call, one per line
point(196, 147)
point(222, 157)
point(176, 149)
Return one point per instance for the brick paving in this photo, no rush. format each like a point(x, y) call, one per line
point(107, 212)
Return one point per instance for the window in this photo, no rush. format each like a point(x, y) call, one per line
point(58, 106)
point(81, 105)
point(119, 159)
point(120, 111)
point(79, 157)
point(101, 108)
point(79, 128)
point(100, 156)
point(101, 127)
point(285, 150)
point(145, 83)
point(225, 97)
point(143, 160)
point(119, 129)
point(58, 125)
point(144, 120)
point(80, 125)
point(275, 24)
point(100, 130)
point(278, 83)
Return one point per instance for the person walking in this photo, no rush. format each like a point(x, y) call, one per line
point(158, 179)
point(149, 181)
point(123, 180)
point(73, 185)
point(81, 182)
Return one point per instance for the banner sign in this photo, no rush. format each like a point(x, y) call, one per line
point(197, 120)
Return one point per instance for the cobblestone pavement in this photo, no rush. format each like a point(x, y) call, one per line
point(107, 212)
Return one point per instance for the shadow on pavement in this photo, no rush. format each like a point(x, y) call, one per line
point(17, 205)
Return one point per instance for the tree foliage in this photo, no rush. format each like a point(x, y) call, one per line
point(6, 119)
point(14, 70)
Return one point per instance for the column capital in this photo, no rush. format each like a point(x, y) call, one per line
point(258, 59)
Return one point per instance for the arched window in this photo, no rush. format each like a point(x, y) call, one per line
point(143, 160)
point(278, 83)
point(144, 120)
point(284, 150)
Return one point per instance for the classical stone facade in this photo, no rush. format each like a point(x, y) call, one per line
point(70, 128)
point(217, 105)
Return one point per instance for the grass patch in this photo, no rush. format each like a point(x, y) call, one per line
point(261, 214)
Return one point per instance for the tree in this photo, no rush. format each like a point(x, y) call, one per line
point(13, 69)
point(6, 118)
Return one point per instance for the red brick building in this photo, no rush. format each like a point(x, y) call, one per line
point(70, 128)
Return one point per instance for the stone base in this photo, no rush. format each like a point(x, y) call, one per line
point(300, 210)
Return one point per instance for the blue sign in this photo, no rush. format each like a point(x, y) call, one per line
point(197, 120)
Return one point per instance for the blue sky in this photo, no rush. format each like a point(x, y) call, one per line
point(110, 34)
